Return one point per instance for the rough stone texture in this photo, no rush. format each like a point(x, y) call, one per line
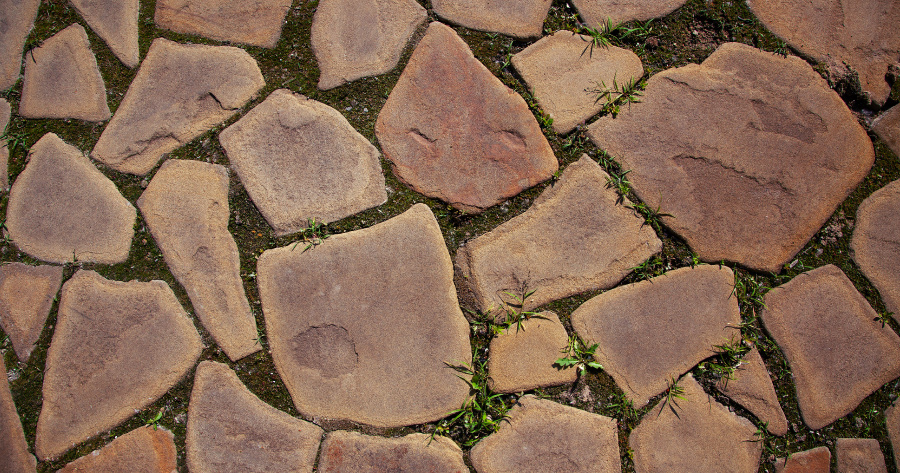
point(14, 454)
point(117, 348)
point(361, 326)
point(522, 359)
point(17, 17)
point(887, 125)
point(61, 208)
point(26, 297)
point(892, 419)
point(517, 18)
point(300, 159)
point(597, 12)
point(751, 386)
point(861, 34)
point(876, 243)
point(257, 23)
point(575, 238)
point(186, 208)
point(749, 152)
point(565, 74)
point(350, 452)
point(229, 429)
point(545, 437)
point(453, 131)
point(817, 460)
point(62, 79)
point(180, 91)
point(4, 151)
point(859, 456)
point(116, 21)
point(145, 450)
point(695, 434)
point(653, 331)
point(360, 38)
point(837, 353)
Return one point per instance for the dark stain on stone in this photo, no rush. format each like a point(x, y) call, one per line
point(328, 349)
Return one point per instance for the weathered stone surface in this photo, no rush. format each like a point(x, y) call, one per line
point(837, 353)
point(565, 74)
point(257, 23)
point(892, 419)
point(350, 452)
point(61, 208)
point(653, 331)
point(861, 34)
point(117, 347)
point(859, 456)
point(545, 437)
point(749, 152)
point(116, 21)
point(4, 150)
point(887, 125)
point(145, 449)
point(62, 79)
point(596, 13)
point(876, 243)
point(300, 159)
point(186, 208)
point(453, 131)
point(751, 386)
point(26, 296)
point(17, 17)
point(575, 238)
point(360, 38)
point(522, 359)
point(361, 326)
point(695, 434)
point(229, 429)
point(517, 18)
point(180, 91)
point(817, 460)
point(14, 454)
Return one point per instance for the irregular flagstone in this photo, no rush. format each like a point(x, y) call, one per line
point(751, 386)
point(17, 18)
point(859, 456)
point(117, 348)
point(876, 243)
point(180, 91)
point(14, 454)
point(186, 208)
point(887, 125)
point(229, 429)
point(145, 449)
point(653, 331)
point(4, 150)
point(576, 237)
point(565, 75)
point(837, 353)
point(817, 460)
point(300, 159)
point(351, 452)
point(517, 18)
point(542, 436)
point(695, 434)
point(62, 79)
point(62, 209)
point(522, 359)
point(257, 23)
point(749, 152)
point(892, 419)
point(116, 21)
point(362, 326)
point(26, 297)
point(453, 131)
point(360, 38)
point(597, 13)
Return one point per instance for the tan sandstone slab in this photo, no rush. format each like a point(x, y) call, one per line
point(17, 17)
point(876, 243)
point(62, 209)
point(4, 150)
point(517, 18)
point(116, 21)
point(653, 331)
point(576, 237)
point(351, 452)
point(597, 13)
point(186, 208)
point(26, 297)
point(751, 386)
point(117, 347)
point(14, 454)
point(360, 38)
point(887, 125)
point(817, 460)
point(180, 92)
point(229, 429)
point(859, 456)
point(892, 419)
point(749, 152)
point(522, 359)
point(541, 436)
point(145, 449)
point(453, 131)
point(837, 353)
point(300, 159)
point(257, 23)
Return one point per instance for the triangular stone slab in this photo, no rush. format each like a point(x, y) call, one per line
point(817, 460)
point(186, 208)
point(751, 386)
point(522, 359)
point(180, 92)
point(887, 125)
point(145, 449)
point(351, 452)
point(17, 17)
point(300, 159)
point(859, 456)
point(14, 454)
point(4, 150)
point(116, 21)
point(876, 243)
point(517, 18)
point(117, 347)
point(599, 13)
point(62, 209)
point(258, 437)
point(453, 131)
point(26, 297)
point(257, 23)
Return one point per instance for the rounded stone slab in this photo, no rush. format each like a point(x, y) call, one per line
point(26, 297)
point(362, 326)
point(892, 419)
point(229, 429)
point(4, 150)
point(360, 38)
point(300, 159)
point(575, 238)
point(62, 79)
point(517, 18)
point(257, 23)
point(859, 456)
point(180, 92)
point(542, 436)
point(14, 454)
point(817, 460)
point(186, 208)
point(887, 126)
point(876, 243)
point(116, 21)
point(565, 79)
point(351, 452)
point(837, 353)
point(751, 386)
point(655, 330)
point(596, 13)
point(117, 348)
point(695, 434)
point(454, 132)
point(17, 17)
point(61, 208)
point(749, 152)
point(145, 449)
point(523, 359)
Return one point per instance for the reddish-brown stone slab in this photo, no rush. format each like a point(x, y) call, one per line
point(859, 456)
point(116, 21)
point(892, 419)
point(876, 243)
point(522, 359)
point(751, 386)
point(17, 18)
point(14, 454)
point(351, 452)
point(517, 18)
point(257, 23)
point(817, 460)
point(597, 13)
point(887, 125)
point(26, 296)
point(145, 450)
point(4, 150)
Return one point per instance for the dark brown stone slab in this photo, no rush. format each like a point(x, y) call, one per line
point(4, 150)
point(887, 125)
point(522, 359)
point(876, 243)
point(350, 452)
point(257, 23)
point(116, 21)
point(145, 449)
point(26, 296)
point(17, 17)
point(859, 456)
point(517, 18)
point(817, 460)
point(892, 419)
point(596, 13)
point(751, 386)
point(14, 454)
